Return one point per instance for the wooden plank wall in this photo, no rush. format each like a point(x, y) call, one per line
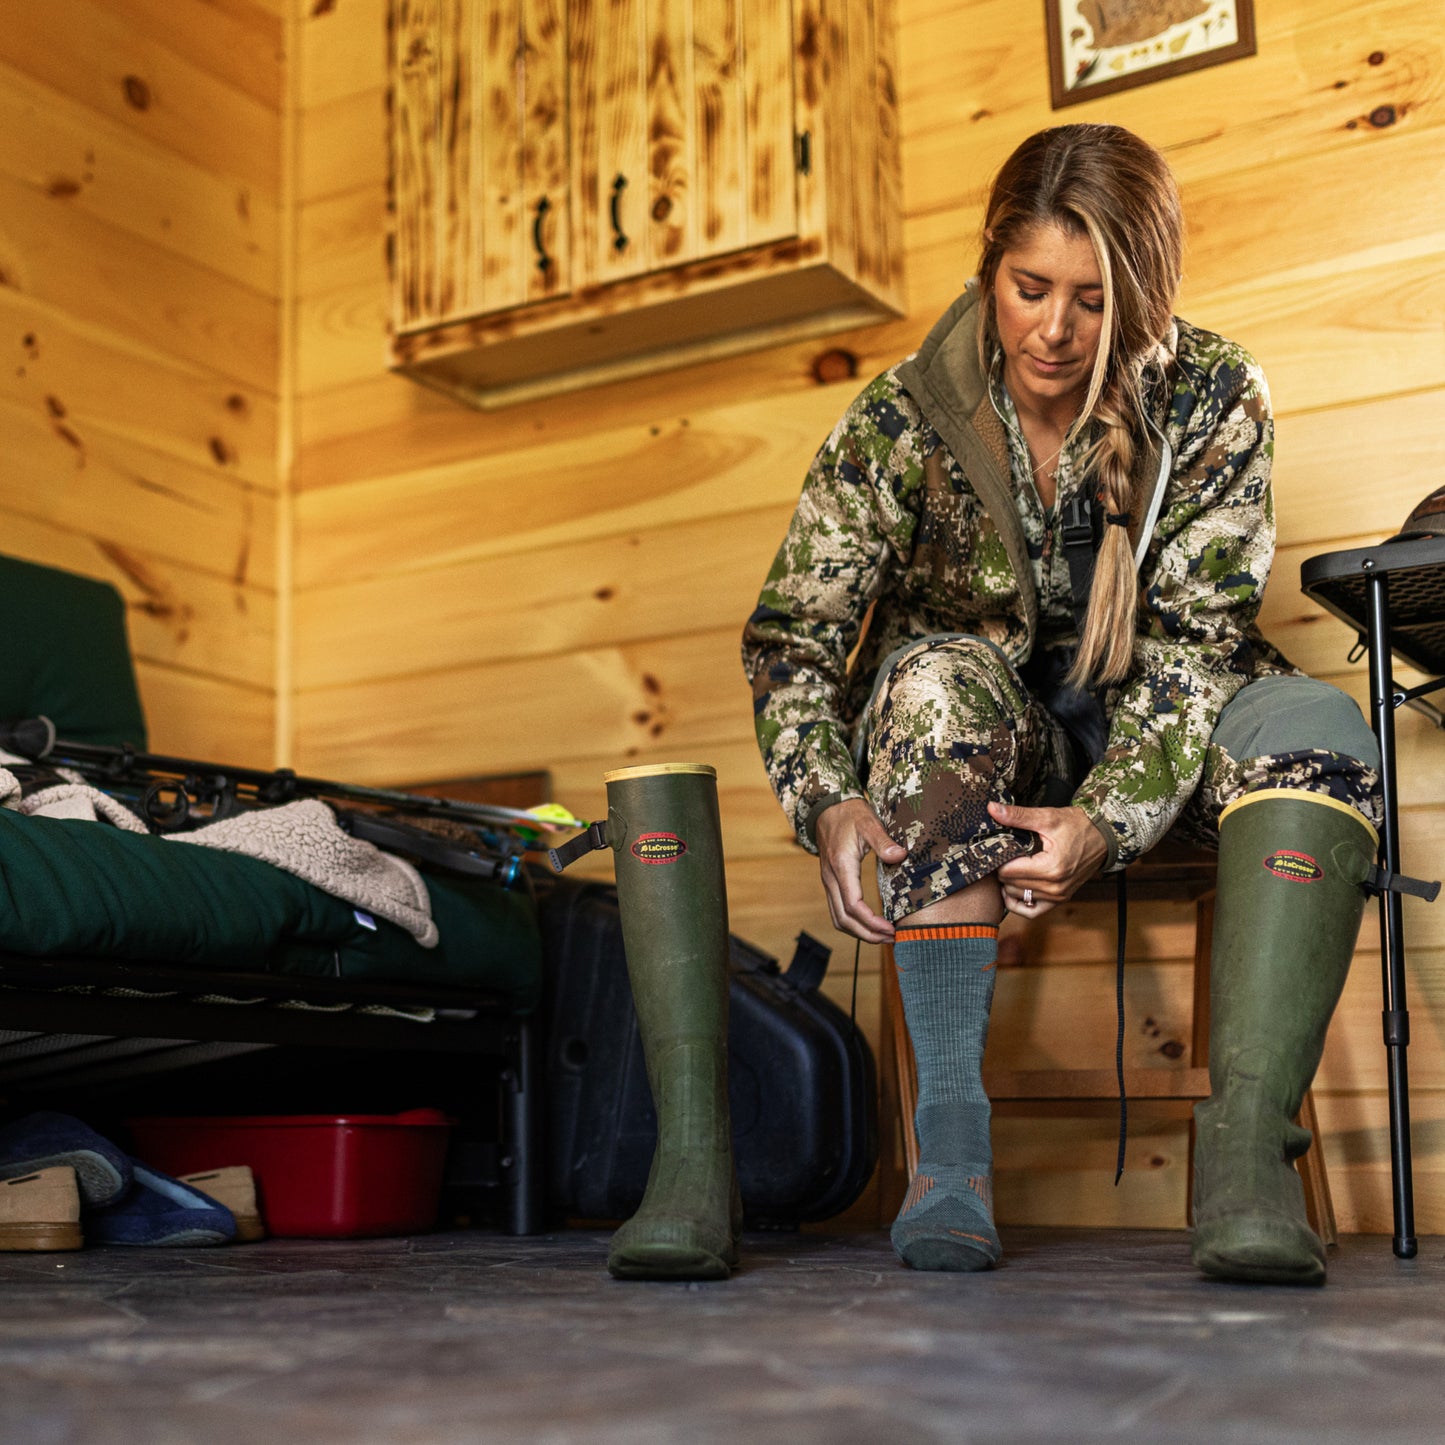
point(561, 585)
point(140, 172)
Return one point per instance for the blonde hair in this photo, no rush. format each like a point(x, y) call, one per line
point(1103, 182)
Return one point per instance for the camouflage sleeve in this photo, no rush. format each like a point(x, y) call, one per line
point(853, 515)
point(1201, 586)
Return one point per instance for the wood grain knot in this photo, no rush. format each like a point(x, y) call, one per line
point(834, 365)
point(1383, 115)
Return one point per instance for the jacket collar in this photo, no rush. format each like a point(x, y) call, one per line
point(945, 379)
point(951, 388)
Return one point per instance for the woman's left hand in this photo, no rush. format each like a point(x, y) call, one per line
point(1070, 853)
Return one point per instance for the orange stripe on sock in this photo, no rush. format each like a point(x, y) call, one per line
point(963, 1234)
point(945, 930)
point(921, 1187)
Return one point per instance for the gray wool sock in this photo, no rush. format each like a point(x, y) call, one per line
point(946, 976)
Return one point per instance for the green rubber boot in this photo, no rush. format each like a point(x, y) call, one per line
point(1291, 869)
point(662, 824)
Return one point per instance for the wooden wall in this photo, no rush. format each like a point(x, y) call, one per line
point(562, 585)
point(140, 286)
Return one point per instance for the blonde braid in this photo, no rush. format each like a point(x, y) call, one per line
point(1115, 402)
point(1106, 649)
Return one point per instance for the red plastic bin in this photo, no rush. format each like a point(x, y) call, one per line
point(318, 1175)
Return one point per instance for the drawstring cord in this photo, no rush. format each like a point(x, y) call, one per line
point(853, 1007)
point(1123, 923)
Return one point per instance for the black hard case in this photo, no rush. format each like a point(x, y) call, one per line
point(802, 1081)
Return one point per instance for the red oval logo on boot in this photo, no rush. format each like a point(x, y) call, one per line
point(1299, 866)
point(659, 848)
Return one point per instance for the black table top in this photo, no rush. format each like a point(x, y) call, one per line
point(1416, 590)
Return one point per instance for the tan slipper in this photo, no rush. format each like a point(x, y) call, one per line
point(235, 1187)
point(41, 1211)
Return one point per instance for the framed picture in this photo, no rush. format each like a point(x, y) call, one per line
point(1097, 47)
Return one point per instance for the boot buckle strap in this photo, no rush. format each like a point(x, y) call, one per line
point(589, 842)
point(1382, 880)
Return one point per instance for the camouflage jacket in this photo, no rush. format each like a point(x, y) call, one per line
point(908, 510)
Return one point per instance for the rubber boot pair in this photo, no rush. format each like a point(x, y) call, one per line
point(663, 828)
point(1291, 871)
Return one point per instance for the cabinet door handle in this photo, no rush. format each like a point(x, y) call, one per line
point(619, 238)
point(544, 261)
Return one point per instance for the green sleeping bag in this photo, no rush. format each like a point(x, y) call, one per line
point(82, 889)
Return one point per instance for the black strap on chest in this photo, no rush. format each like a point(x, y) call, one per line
point(1077, 536)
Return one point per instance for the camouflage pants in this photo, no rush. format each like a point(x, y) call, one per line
point(952, 727)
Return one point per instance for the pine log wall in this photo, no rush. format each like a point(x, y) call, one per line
point(561, 586)
point(140, 301)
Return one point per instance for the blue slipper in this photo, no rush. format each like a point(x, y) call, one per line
point(43, 1140)
point(160, 1211)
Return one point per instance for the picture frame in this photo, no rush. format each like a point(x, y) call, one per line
point(1100, 47)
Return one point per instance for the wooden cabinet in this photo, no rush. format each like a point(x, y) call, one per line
point(583, 190)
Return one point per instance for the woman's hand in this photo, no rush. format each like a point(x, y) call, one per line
point(1070, 853)
point(846, 833)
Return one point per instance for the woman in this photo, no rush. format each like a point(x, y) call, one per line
point(1056, 521)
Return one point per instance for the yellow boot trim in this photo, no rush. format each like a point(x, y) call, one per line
point(654, 769)
point(1299, 795)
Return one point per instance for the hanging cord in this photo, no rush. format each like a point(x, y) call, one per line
point(853, 1007)
point(1123, 924)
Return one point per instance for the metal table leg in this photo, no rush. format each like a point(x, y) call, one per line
point(1396, 1016)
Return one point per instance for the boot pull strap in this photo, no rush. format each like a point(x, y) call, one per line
point(589, 842)
point(1381, 880)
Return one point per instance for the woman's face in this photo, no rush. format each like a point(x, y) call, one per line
point(1049, 306)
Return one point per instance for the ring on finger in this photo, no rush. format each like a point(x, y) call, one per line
point(1028, 897)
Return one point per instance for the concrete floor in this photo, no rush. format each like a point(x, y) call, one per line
point(470, 1337)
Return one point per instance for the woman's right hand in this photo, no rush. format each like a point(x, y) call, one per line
point(845, 834)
